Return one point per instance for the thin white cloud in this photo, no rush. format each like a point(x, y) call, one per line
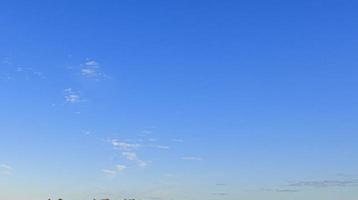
point(109, 172)
point(29, 72)
point(221, 184)
point(91, 69)
point(286, 190)
point(325, 183)
point(91, 63)
point(87, 132)
point(142, 163)
point(6, 169)
point(192, 158)
point(72, 96)
point(220, 194)
point(177, 140)
point(146, 132)
point(5, 77)
point(118, 169)
point(124, 145)
point(10, 71)
point(89, 72)
point(161, 147)
point(152, 139)
point(132, 156)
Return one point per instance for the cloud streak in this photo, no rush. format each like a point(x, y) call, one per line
point(114, 172)
point(124, 145)
point(192, 158)
point(6, 169)
point(220, 194)
point(325, 183)
point(132, 156)
point(92, 70)
point(286, 190)
point(72, 96)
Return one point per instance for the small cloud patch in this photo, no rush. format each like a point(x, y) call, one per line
point(124, 145)
point(192, 158)
point(325, 183)
point(91, 69)
point(114, 172)
point(6, 169)
point(220, 194)
point(72, 96)
point(132, 156)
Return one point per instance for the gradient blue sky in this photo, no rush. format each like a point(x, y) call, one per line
point(174, 100)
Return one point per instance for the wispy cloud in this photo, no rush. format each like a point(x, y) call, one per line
point(279, 190)
point(132, 156)
point(349, 176)
point(147, 132)
point(192, 158)
point(221, 184)
point(91, 69)
point(120, 168)
point(220, 194)
point(109, 172)
point(177, 140)
point(286, 190)
point(128, 148)
point(87, 132)
point(5, 77)
point(124, 145)
point(11, 71)
point(113, 172)
point(6, 60)
point(325, 183)
point(29, 72)
point(72, 96)
point(162, 147)
point(152, 139)
point(6, 169)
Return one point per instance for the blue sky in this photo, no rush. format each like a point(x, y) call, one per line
point(170, 100)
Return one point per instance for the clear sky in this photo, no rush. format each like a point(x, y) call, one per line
point(179, 100)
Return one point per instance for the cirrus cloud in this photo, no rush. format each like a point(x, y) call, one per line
point(124, 145)
point(72, 96)
point(6, 169)
point(114, 172)
point(91, 69)
point(192, 158)
point(132, 156)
